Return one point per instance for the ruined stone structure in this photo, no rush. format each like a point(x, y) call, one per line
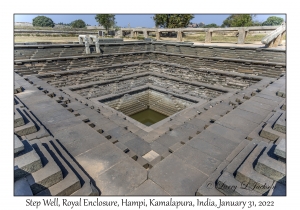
point(275, 37)
point(224, 125)
point(242, 31)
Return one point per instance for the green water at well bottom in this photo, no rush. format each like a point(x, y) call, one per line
point(148, 117)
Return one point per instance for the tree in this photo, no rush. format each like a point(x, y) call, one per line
point(106, 20)
point(42, 21)
point(63, 24)
point(256, 23)
point(172, 21)
point(273, 21)
point(78, 24)
point(212, 25)
point(243, 20)
point(201, 25)
point(117, 28)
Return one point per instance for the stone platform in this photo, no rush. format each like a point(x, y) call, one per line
point(225, 125)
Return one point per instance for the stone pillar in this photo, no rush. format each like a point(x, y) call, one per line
point(87, 45)
point(80, 39)
point(208, 36)
point(242, 35)
point(100, 33)
point(90, 40)
point(97, 47)
point(157, 35)
point(145, 33)
point(281, 37)
point(277, 40)
point(131, 34)
point(97, 44)
point(179, 36)
point(271, 44)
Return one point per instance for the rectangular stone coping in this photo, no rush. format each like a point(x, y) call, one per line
point(18, 145)
point(30, 159)
point(138, 63)
point(152, 42)
point(157, 52)
point(76, 45)
point(195, 83)
point(221, 58)
point(142, 126)
point(110, 97)
point(280, 149)
point(267, 161)
point(48, 175)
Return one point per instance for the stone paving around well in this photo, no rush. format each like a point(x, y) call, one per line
point(225, 133)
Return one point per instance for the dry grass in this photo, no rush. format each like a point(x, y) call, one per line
point(53, 29)
point(19, 39)
point(229, 38)
point(218, 38)
point(200, 37)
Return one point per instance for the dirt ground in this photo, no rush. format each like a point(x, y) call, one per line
point(197, 39)
point(44, 39)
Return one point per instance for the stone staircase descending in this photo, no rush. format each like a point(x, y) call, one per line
point(41, 164)
point(253, 168)
point(42, 167)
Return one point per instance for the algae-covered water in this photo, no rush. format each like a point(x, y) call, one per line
point(148, 117)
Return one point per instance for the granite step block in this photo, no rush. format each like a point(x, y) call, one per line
point(280, 149)
point(47, 176)
point(87, 187)
point(27, 161)
point(25, 129)
point(268, 131)
point(208, 188)
point(41, 133)
point(280, 124)
point(250, 178)
point(240, 158)
point(229, 186)
point(269, 165)
point(18, 145)
point(153, 158)
point(282, 92)
point(18, 119)
point(70, 182)
point(237, 150)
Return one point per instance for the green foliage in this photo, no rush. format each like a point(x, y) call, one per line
point(256, 23)
point(106, 20)
point(243, 20)
point(212, 25)
point(63, 24)
point(201, 25)
point(273, 21)
point(117, 28)
point(42, 21)
point(172, 21)
point(140, 38)
point(78, 24)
